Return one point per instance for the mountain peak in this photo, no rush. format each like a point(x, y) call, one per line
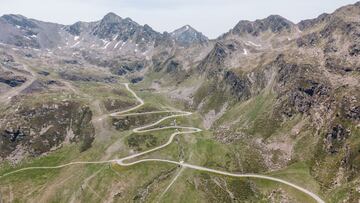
point(274, 23)
point(18, 20)
point(185, 28)
point(111, 17)
point(276, 18)
point(187, 35)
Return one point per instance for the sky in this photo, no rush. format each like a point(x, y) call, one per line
point(211, 17)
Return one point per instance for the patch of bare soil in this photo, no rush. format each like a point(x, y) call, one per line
point(184, 94)
point(212, 116)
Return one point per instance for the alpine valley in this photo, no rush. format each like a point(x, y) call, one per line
point(114, 111)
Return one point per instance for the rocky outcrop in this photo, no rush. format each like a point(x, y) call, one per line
point(339, 65)
point(300, 86)
point(335, 138)
point(239, 86)
point(24, 32)
point(306, 24)
point(136, 80)
point(123, 29)
point(78, 28)
point(273, 23)
point(11, 79)
point(19, 20)
point(354, 50)
point(173, 66)
point(124, 68)
point(214, 61)
point(350, 108)
point(87, 78)
point(45, 127)
point(310, 40)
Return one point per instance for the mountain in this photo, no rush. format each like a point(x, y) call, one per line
point(187, 35)
point(23, 32)
point(273, 23)
point(111, 32)
point(78, 28)
point(114, 27)
point(271, 97)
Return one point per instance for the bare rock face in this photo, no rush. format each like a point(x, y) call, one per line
point(350, 107)
point(87, 78)
point(273, 23)
point(78, 28)
point(186, 36)
point(173, 66)
point(240, 86)
point(23, 32)
point(19, 20)
point(122, 68)
point(310, 40)
point(354, 50)
point(11, 79)
point(335, 138)
point(112, 25)
point(214, 60)
point(306, 24)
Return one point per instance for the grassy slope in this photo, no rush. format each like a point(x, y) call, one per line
point(125, 184)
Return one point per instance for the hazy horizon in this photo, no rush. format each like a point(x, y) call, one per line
point(210, 17)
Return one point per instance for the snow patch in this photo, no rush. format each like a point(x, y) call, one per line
point(76, 38)
point(117, 44)
point(122, 45)
point(253, 44)
point(245, 52)
point(106, 45)
point(74, 45)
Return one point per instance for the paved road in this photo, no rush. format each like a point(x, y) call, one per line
point(185, 130)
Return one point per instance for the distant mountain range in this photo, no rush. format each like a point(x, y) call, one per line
point(111, 32)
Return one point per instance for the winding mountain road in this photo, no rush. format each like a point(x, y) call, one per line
point(186, 130)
